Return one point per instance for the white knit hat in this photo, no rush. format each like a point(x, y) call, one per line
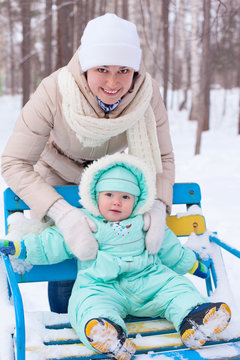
point(110, 40)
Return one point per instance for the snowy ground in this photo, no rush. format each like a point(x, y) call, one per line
point(217, 170)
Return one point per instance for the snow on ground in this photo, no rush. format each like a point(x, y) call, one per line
point(216, 169)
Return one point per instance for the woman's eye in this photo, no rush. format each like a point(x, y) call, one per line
point(123, 71)
point(102, 70)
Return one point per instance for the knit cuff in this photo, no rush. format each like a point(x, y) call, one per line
point(20, 249)
point(194, 268)
point(58, 209)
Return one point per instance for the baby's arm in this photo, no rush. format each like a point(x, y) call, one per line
point(174, 255)
point(179, 258)
point(47, 248)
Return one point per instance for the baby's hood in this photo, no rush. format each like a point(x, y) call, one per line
point(145, 177)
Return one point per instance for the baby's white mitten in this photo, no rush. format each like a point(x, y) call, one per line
point(76, 228)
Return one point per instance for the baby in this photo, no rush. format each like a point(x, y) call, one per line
point(125, 279)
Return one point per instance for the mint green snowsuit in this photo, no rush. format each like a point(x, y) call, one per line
point(124, 278)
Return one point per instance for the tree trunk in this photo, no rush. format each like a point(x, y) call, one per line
point(146, 33)
point(116, 5)
point(174, 70)
point(77, 24)
point(125, 14)
point(182, 35)
point(103, 5)
point(26, 48)
point(165, 8)
point(64, 32)
point(206, 64)
point(195, 63)
point(48, 39)
point(204, 95)
point(91, 9)
point(156, 11)
point(12, 52)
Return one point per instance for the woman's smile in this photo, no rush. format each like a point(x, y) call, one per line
point(110, 93)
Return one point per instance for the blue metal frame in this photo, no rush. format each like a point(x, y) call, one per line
point(225, 246)
point(19, 312)
point(186, 193)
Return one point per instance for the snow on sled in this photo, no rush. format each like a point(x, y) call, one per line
point(154, 338)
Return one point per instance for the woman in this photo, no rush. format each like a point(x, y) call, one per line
point(102, 102)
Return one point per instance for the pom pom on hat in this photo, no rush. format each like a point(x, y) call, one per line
point(110, 40)
point(118, 178)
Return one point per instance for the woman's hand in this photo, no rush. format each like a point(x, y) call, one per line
point(154, 224)
point(76, 228)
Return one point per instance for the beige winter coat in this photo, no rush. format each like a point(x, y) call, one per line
point(44, 151)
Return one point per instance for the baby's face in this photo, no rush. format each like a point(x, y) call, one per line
point(115, 205)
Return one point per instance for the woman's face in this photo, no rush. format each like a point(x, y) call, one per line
point(110, 83)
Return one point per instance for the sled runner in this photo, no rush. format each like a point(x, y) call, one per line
point(156, 338)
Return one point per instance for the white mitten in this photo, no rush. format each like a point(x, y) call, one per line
point(154, 224)
point(76, 228)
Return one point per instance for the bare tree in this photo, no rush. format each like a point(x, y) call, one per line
point(204, 95)
point(173, 55)
point(165, 7)
point(77, 27)
point(125, 9)
point(64, 32)
point(103, 5)
point(195, 63)
point(12, 51)
point(144, 22)
point(157, 31)
point(48, 38)
point(206, 64)
point(26, 49)
point(182, 38)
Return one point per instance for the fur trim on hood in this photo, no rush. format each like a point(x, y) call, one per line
point(91, 175)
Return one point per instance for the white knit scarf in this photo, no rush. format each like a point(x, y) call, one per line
point(137, 120)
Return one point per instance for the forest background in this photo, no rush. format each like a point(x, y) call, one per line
point(187, 44)
point(192, 48)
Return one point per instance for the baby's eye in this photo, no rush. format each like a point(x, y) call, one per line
point(108, 194)
point(126, 197)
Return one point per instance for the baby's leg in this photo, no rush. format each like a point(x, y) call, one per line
point(168, 295)
point(192, 314)
point(98, 320)
point(177, 298)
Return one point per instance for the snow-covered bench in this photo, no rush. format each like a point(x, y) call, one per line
point(155, 338)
